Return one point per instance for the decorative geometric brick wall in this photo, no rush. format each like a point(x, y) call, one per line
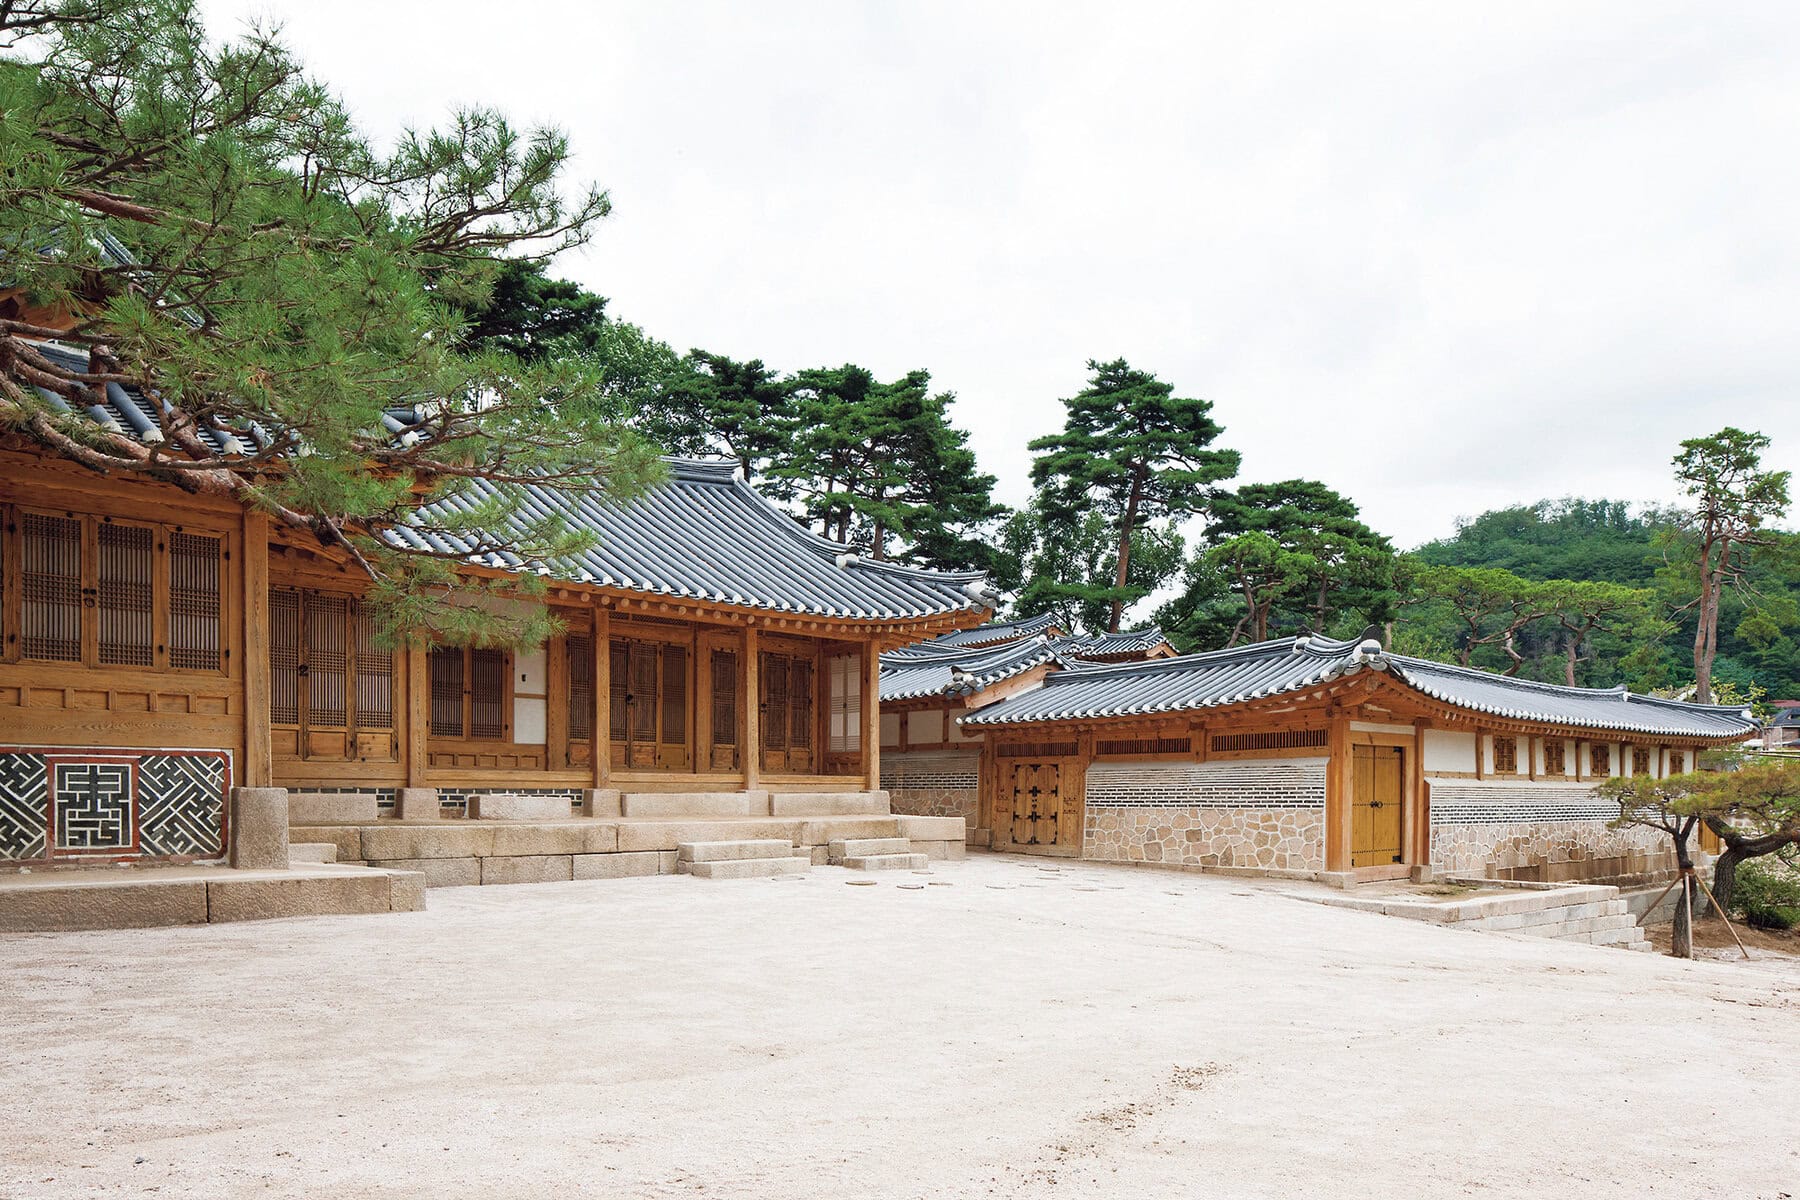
point(934, 783)
point(60, 804)
point(1543, 832)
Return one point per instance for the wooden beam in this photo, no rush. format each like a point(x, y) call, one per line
point(1340, 779)
point(259, 766)
point(871, 715)
point(417, 743)
point(752, 709)
point(556, 702)
point(601, 742)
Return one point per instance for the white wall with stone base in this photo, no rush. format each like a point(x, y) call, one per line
point(934, 783)
point(1550, 832)
point(1267, 813)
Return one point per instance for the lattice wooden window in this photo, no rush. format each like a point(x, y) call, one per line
point(620, 690)
point(1599, 760)
point(579, 651)
point(843, 673)
point(724, 697)
point(1506, 756)
point(1136, 746)
point(1039, 750)
point(674, 696)
point(1641, 760)
point(194, 589)
point(284, 656)
point(447, 664)
point(487, 693)
point(374, 673)
point(1282, 739)
point(800, 703)
point(774, 701)
point(327, 661)
point(1677, 762)
point(641, 699)
point(1556, 760)
point(125, 604)
point(110, 593)
point(50, 578)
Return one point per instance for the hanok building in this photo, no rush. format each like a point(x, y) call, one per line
point(161, 649)
point(1331, 759)
point(931, 766)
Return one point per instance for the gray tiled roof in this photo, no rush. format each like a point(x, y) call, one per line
point(1226, 677)
point(930, 669)
point(1113, 645)
point(704, 534)
point(995, 632)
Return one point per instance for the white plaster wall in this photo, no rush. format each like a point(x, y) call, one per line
point(1446, 750)
point(956, 733)
point(924, 726)
point(528, 719)
point(890, 729)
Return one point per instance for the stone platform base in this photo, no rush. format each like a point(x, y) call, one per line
point(1591, 913)
point(144, 897)
point(463, 853)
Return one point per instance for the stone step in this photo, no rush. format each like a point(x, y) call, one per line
point(828, 804)
point(748, 848)
point(887, 862)
point(332, 808)
point(695, 804)
point(312, 852)
point(868, 847)
point(746, 868)
point(510, 806)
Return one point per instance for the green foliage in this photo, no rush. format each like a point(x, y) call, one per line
point(1068, 568)
point(1133, 452)
point(204, 221)
point(1768, 895)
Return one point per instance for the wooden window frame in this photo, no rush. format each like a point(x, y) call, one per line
point(354, 726)
point(507, 671)
point(1561, 768)
point(1511, 744)
point(12, 548)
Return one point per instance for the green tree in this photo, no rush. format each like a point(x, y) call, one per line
point(203, 222)
point(1755, 811)
point(1491, 607)
point(1734, 499)
point(718, 405)
point(1067, 567)
point(1582, 609)
point(1134, 452)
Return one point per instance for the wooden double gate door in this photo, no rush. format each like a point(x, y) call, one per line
point(1376, 803)
point(1040, 808)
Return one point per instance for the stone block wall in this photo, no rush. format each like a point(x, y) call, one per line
point(1540, 832)
point(934, 783)
point(1266, 813)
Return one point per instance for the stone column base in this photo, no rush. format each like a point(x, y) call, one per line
point(418, 804)
point(259, 828)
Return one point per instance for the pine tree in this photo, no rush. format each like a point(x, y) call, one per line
point(1133, 451)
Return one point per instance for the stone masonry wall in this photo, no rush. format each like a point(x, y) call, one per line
point(934, 783)
point(1254, 813)
point(1541, 832)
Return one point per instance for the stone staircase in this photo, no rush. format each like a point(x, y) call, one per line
point(312, 852)
point(750, 858)
point(875, 854)
point(1594, 914)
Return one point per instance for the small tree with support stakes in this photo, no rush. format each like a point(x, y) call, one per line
point(1675, 806)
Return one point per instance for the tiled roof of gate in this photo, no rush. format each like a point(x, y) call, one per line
point(1227, 677)
point(929, 669)
point(1112, 645)
point(995, 632)
point(704, 534)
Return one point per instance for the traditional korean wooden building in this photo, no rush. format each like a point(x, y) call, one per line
point(1329, 758)
point(159, 649)
point(930, 764)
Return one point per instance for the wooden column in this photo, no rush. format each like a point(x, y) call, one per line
point(1340, 782)
point(1481, 754)
point(556, 703)
point(602, 737)
point(1419, 799)
point(259, 766)
point(871, 715)
point(752, 709)
point(418, 714)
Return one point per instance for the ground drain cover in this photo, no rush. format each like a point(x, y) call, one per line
point(940, 883)
point(860, 882)
point(911, 887)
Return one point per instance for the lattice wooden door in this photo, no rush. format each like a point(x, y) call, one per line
point(1037, 806)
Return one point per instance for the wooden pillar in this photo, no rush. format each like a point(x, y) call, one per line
point(259, 766)
point(556, 703)
point(871, 714)
point(1418, 799)
point(602, 740)
point(1481, 754)
point(418, 713)
point(1340, 782)
point(752, 709)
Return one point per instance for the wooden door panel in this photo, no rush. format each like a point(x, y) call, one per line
point(1377, 798)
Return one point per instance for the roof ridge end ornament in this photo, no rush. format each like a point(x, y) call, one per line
point(848, 558)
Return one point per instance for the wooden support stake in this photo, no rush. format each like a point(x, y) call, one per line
point(1720, 909)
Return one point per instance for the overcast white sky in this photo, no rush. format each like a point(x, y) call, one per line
point(1442, 259)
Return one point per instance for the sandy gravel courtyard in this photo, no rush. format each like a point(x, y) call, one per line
point(1015, 1029)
